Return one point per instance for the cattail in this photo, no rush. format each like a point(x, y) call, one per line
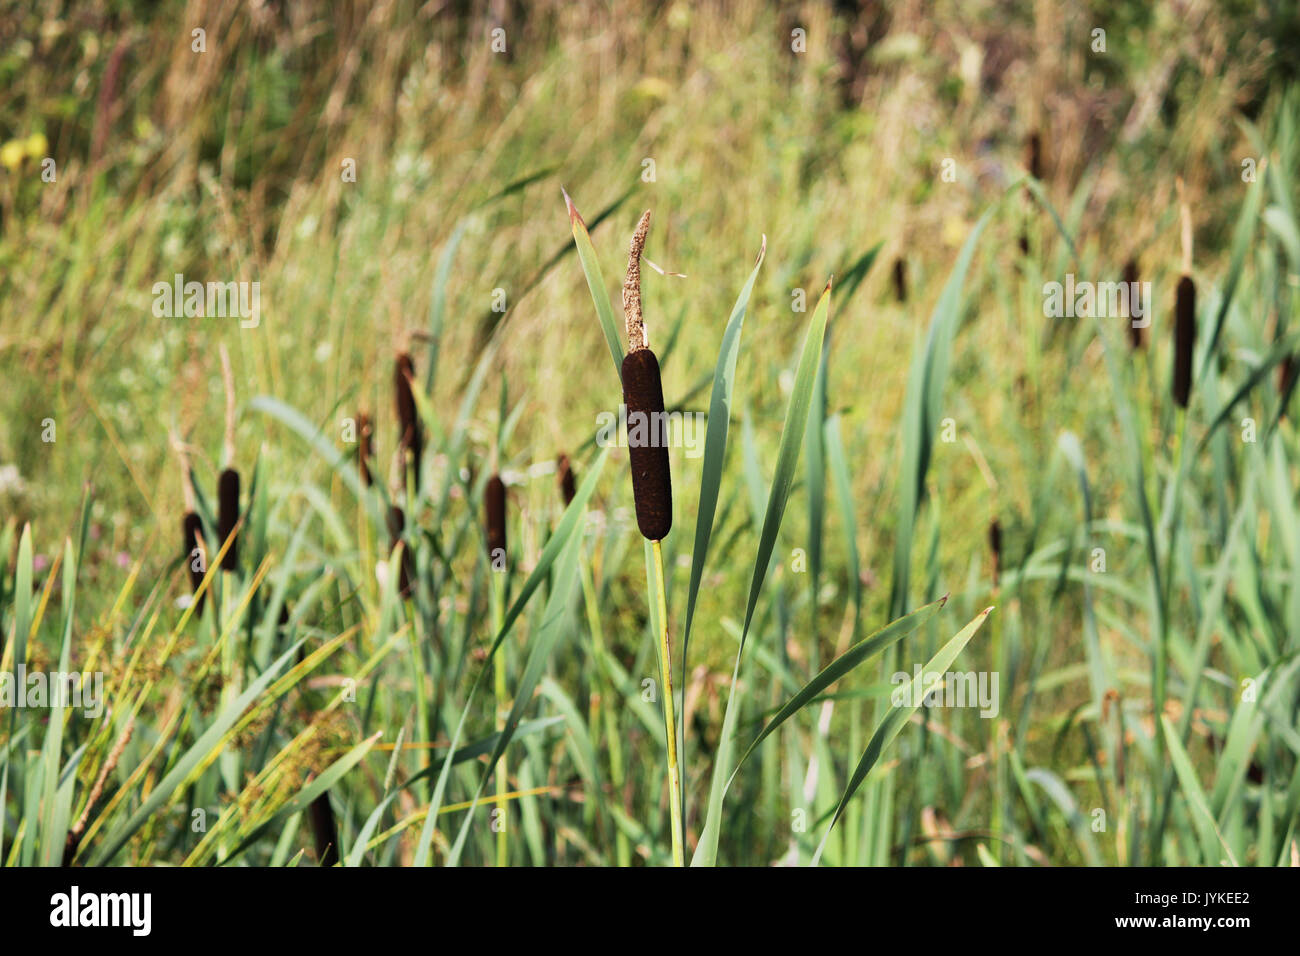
point(995, 546)
point(365, 449)
point(900, 280)
point(1130, 283)
point(228, 516)
point(1285, 375)
point(396, 527)
point(564, 476)
point(652, 487)
point(1034, 155)
point(192, 526)
point(324, 832)
point(1184, 340)
point(643, 395)
point(494, 505)
point(408, 422)
point(228, 480)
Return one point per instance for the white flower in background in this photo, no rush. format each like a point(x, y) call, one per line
point(11, 482)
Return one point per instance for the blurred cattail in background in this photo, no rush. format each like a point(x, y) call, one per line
point(365, 448)
point(995, 547)
point(396, 528)
point(1184, 340)
point(1184, 309)
point(494, 506)
point(1285, 378)
point(1034, 155)
point(1130, 283)
point(228, 481)
point(410, 439)
point(900, 280)
point(564, 477)
point(325, 834)
point(195, 547)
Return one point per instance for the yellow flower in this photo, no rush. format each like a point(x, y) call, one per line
point(11, 154)
point(37, 146)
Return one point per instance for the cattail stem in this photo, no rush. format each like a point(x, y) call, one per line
point(670, 722)
point(503, 711)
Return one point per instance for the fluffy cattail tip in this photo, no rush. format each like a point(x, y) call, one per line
point(564, 475)
point(494, 502)
point(228, 516)
point(1184, 340)
point(652, 487)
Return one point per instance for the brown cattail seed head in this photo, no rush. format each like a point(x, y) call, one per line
point(564, 475)
point(1034, 155)
point(408, 422)
point(365, 448)
point(1184, 339)
point(1285, 378)
point(1130, 283)
point(324, 833)
point(995, 546)
point(900, 280)
point(193, 528)
point(494, 504)
point(647, 440)
point(228, 516)
point(397, 525)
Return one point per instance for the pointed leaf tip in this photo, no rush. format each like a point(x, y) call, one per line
point(575, 217)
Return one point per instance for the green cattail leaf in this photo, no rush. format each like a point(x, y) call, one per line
point(57, 801)
point(715, 445)
point(596, 283)
point(842, 665)
point(796, 421)
point(570, 524)
point(1207, 831)
point(541, 643)
point(898, 716)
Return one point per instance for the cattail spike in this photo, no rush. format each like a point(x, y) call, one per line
point(565, 478)
point(228, 516)
point(494, 506)
point(396, 528)
point(193, 530)
point(995, 546)
point(325, 833)
point(1184, 340)
point(1034, 155)
point(1130, 283)
point(410, 439)
point(365, 448)
point(900, 280)
point(652, 489)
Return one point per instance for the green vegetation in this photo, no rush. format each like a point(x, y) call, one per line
point(391, 180)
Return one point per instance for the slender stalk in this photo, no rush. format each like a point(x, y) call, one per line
point(670, 723)
point(503, 708)
point(623, 849)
